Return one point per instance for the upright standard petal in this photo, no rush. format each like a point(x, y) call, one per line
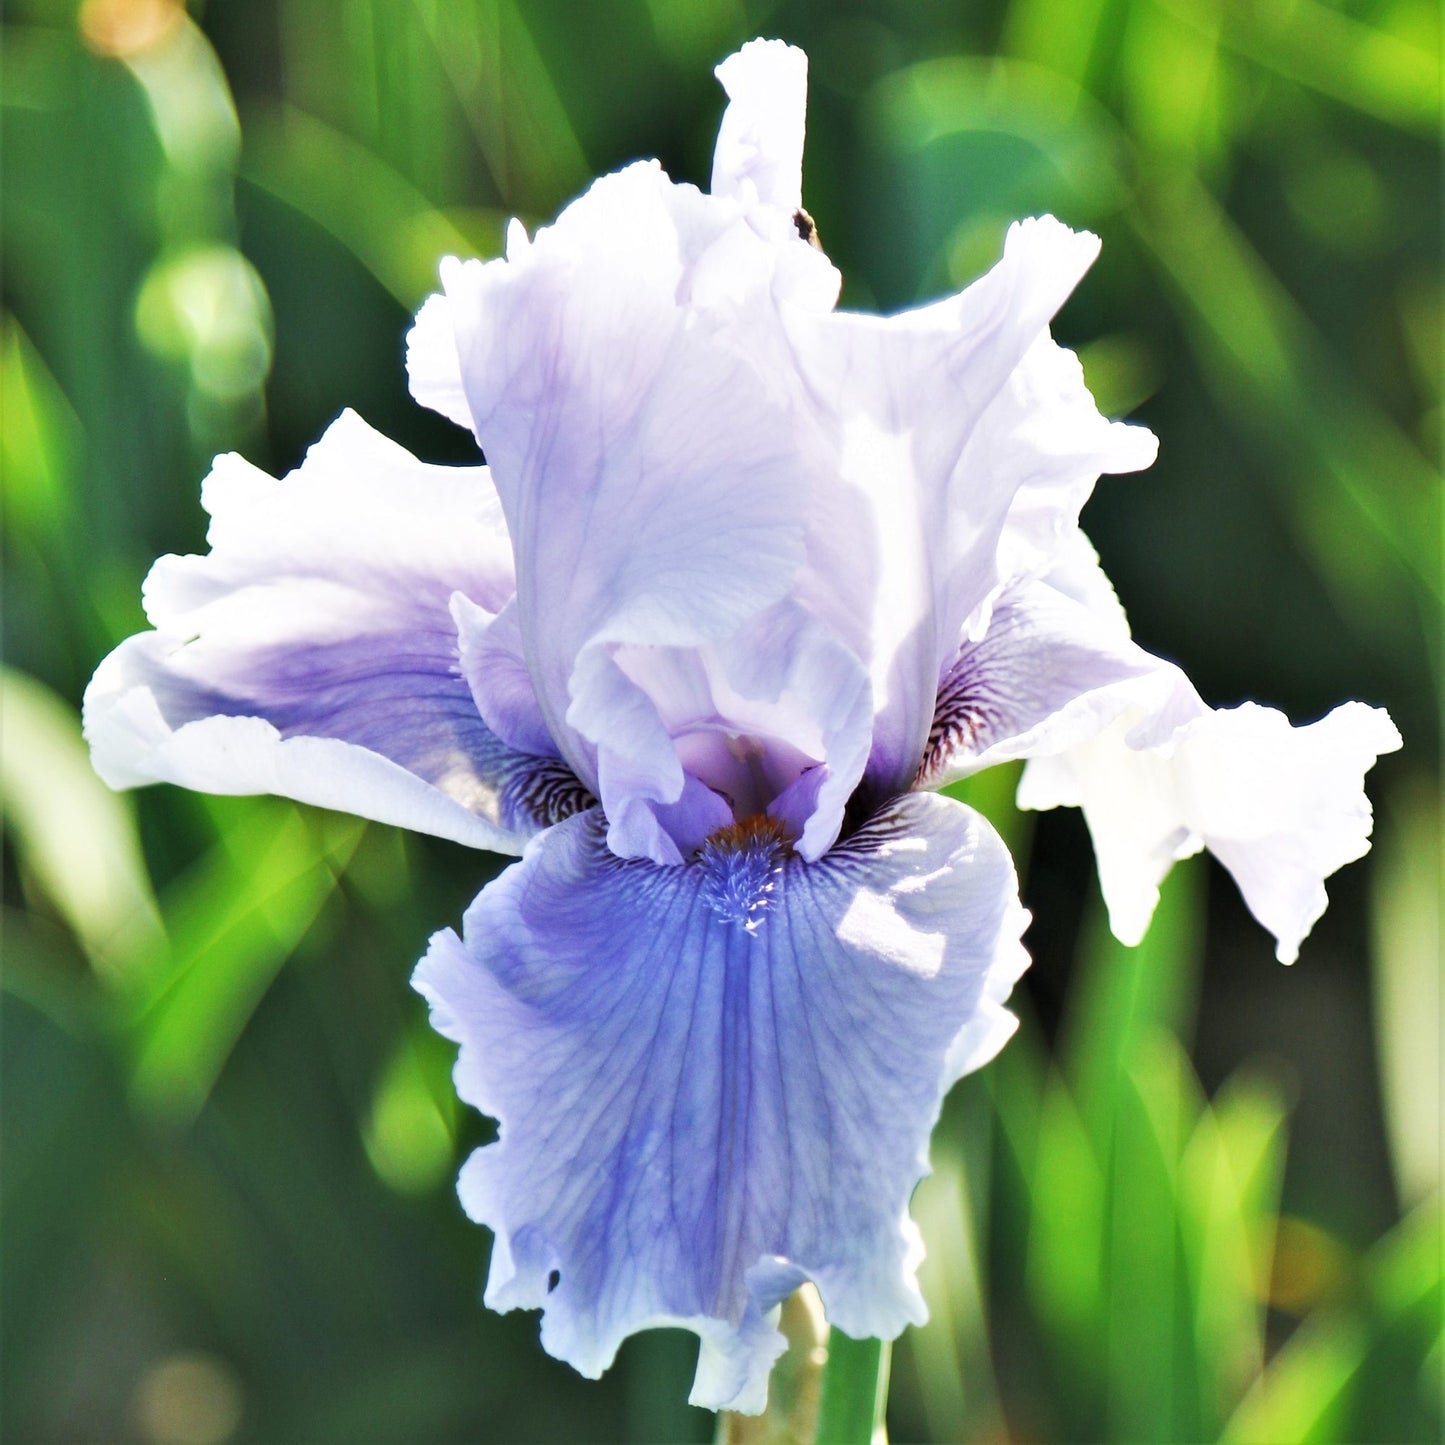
point(939, 419)
point(858, 474)
point(649, 474)
point(1281, 807)
point(717, 1080)
point(312, 653)
point(759, 151)
point(758, 163)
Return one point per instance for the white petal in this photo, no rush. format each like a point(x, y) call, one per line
point(908, 545)
point(1281, 807)
point(1044, 431)
point(1129, 798)
point(1074, 570)
point(433, 367)
point(312, 651)
point(649, 474)
point(759, 154)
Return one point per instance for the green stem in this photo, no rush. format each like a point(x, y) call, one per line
point(855, 1392)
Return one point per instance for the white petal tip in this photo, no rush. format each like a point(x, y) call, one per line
point(1137, 448)
point(1048, 233)
point(759, 152)
point(433, 365)
point(518, 242)
point(763, 63)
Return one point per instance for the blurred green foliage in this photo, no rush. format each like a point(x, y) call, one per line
point(1198, 1197)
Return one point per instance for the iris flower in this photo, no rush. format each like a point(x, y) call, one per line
point(744, 581)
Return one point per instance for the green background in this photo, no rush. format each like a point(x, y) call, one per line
point(1197, 1198)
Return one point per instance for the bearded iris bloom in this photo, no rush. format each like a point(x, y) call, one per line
point(745, 579)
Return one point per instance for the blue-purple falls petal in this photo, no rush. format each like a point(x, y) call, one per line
point(706, 1098)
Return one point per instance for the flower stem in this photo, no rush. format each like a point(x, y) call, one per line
point(855, 1392)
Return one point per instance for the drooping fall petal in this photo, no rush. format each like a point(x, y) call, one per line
point(718, 1079)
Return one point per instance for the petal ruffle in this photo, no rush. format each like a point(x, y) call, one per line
point(1044, 432)
point(942, 420)
point(718, 1079)
point(1281, 807)
point(434, 370)
point(312, 652)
